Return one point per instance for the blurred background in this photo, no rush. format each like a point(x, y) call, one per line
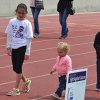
point(7, 7)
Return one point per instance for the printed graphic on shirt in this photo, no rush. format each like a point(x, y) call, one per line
point(18, 31)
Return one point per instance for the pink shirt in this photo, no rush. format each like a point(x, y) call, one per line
point(63, 65)
point(32, 3)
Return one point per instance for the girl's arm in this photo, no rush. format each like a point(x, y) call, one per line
point(54, 67)
point(28, 47)
point(68, 63)
point(8, 31)
point(29, 39)
point(52, 71)
point(8, 40)
point(9, 49)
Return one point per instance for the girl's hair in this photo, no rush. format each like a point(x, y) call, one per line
point(63, 46)
point(22, 5)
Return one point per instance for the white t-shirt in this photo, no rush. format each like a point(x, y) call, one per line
point(20, 32)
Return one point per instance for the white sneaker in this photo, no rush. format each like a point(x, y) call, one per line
point(36, 36)
point(13, 92)
point(56, 96)
point(98, 89)
point(63, 92)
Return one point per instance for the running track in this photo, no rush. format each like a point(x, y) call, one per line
point(82, 30)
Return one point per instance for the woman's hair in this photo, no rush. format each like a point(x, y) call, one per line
point(63, 46)
point(22, 5)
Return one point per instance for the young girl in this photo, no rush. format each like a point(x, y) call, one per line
point(19, 36)
point(62, 66)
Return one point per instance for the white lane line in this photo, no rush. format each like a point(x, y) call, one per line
point(38, 61)
point(40, 76)
point(58, 39)
point(42, 97)
point(38, 98)
point(90, 84)
point(45, 75)
point(53, 48)
point(56, 47)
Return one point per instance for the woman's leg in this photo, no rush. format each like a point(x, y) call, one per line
point(98, 73)
point(36, 24)
point(63, 17)
point(60, 20)
point(33, 10)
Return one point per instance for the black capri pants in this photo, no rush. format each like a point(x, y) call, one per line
point(18, 59)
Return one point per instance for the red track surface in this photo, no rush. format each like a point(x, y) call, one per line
point(82, 30)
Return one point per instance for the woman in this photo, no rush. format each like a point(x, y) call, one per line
point(36, 6)
point(97, 48)
point(63, 8)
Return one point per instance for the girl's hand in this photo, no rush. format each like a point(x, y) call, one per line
point(51, 72)
point(26, 57)
point(9, 52)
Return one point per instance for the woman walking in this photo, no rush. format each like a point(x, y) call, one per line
point(36, 6)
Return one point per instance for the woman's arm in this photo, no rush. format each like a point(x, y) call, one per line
point(97, 42)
